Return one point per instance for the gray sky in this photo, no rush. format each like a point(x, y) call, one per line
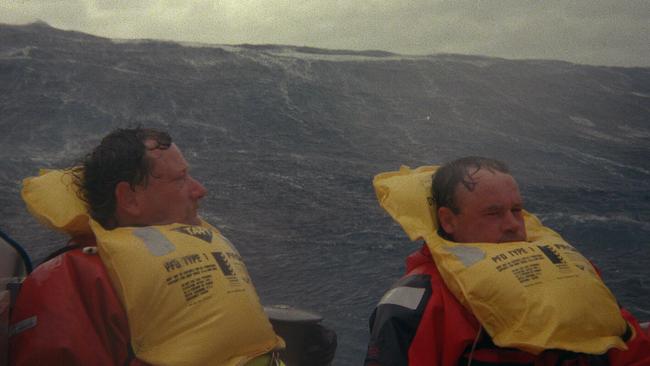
point(598, 32)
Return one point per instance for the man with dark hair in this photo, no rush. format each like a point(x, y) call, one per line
point(139, 177)
point(125, 157)
point(421, 322)
point(483, 218)
point(68, 312)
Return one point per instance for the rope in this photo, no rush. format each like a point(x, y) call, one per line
point(21, 251)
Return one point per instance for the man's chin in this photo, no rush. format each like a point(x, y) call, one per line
point(511, 239)
point(193, 221)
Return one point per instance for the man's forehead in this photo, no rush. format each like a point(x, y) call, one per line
point(490, 177)
point(167, 159)
point(485, 183)
point(154, 150)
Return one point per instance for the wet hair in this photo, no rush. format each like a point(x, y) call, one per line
point(460, 171)
point(120, 157)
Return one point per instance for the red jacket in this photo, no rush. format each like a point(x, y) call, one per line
point(68, 314)
point(420, 322)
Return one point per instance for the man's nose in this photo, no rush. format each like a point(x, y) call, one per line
point(511, 222)
point(198, 190)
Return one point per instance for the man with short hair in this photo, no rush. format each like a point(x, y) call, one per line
point(489, 197)
point(68, 312)
point(139, 177)
point(476, 200)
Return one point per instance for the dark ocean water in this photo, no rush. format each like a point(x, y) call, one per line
point(287, 144)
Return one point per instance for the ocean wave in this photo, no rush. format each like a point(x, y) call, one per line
point(589, 218)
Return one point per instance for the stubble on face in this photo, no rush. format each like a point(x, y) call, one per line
point(491, 211)
point(170, 195)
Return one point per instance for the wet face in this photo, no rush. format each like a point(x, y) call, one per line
point(171, 194)
point(490, 213)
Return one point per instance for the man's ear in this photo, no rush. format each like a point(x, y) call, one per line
point(447, 219)
point(125, 200)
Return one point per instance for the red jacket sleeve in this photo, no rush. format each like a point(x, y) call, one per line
point(67, 313)
point(419, 322)
point(446, 328)
point(638, 353)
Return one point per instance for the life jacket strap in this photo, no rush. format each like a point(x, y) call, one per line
point(268, 359)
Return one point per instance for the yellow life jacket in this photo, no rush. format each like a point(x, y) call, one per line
point(533, 295)
point(186, 291)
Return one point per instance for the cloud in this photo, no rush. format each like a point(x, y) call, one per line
point(62, 12)
point(612, 32)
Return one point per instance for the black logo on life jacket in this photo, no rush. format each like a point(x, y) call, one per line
point(226, 268)
point(197, 232)
point(223, 263)
point(554, 256)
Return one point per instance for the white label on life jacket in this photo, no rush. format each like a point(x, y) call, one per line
point(155, 241)
point(23, 325)
point(408, 297)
